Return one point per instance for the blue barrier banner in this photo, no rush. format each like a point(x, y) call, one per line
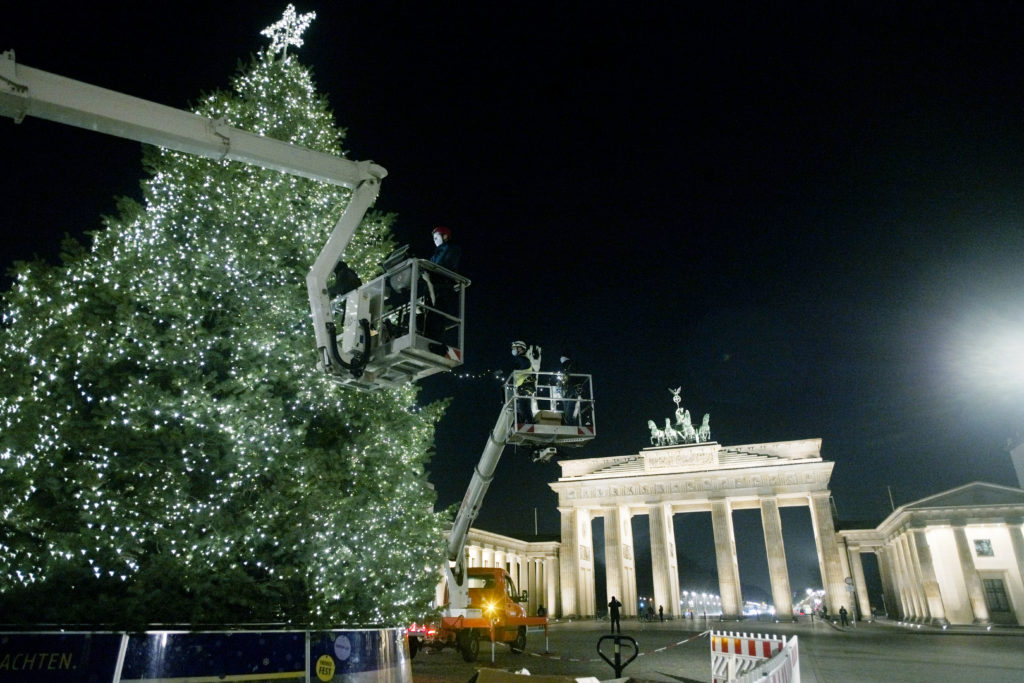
point(338, 656)
point(215, 656)
point(59, 657)
point(363, 656)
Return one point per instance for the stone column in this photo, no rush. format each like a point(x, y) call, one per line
point(899, 573)
point(613, 557)
point(628, 565)
point(587, 591)
point(844, 557)
point(844, 562)
point(929, 581)
point(903, 580)
point(1017, 541)
point(529, 581)
point(972, 580)
point(544, 590)
point(918, 576)
point(620, 564)
point(516, 561)
point(832, 579)
point(725, 555)
point(913, 579)
point(885, 569)
point(510, 562)
point(569, 564)
point(857, 571)
point(539, 594)
point(664, 565)
point(898, 607)
point(778, 571)
point(551, 584)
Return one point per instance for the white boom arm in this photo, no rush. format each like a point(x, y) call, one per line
point(568, 422)
point(458, 590)
point(25, 91)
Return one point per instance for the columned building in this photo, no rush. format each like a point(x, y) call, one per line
point(956, 557)
point(704, 477)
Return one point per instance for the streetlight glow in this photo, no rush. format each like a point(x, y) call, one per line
point(986, 352)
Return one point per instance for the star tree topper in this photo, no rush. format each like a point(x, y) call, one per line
point(288, 31)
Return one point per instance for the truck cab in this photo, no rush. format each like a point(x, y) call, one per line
point(496, 613)
point(493, 592)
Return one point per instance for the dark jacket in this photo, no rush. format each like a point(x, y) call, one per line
point(447, 256)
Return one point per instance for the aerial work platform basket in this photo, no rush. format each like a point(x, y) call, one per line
point(550, 409)
point(413, 326)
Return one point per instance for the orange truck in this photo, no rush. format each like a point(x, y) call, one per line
point(496, 613)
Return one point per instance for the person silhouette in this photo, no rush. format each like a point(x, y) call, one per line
point(441, 290)
point(613, 613)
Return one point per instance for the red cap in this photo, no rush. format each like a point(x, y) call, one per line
point(445, 232)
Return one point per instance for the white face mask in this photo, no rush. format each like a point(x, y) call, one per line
point(438, 239)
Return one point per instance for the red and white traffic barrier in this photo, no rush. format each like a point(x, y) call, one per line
point(748, 657)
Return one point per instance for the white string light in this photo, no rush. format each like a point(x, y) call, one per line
point(483, 374)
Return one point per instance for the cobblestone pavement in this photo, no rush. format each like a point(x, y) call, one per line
point(678, 652)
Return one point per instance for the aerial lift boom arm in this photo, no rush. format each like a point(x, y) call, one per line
point(569, 423)
point(25, 91)
point(483, 473)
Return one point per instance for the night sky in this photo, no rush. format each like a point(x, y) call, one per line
point(809, 218)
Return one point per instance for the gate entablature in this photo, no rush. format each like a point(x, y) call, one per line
point(683, 475)
point(692, 458)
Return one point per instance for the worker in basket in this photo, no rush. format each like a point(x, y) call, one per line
point(524, 379)
point(443, 296)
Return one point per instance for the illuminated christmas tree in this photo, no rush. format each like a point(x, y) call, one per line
point(169, 452)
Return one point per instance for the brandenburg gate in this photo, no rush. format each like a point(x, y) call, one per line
point(663, 481)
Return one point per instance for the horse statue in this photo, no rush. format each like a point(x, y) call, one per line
point(685, 426)
point(657, 435)
point(704, 431)
point(683, 431)
point(671, 435)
